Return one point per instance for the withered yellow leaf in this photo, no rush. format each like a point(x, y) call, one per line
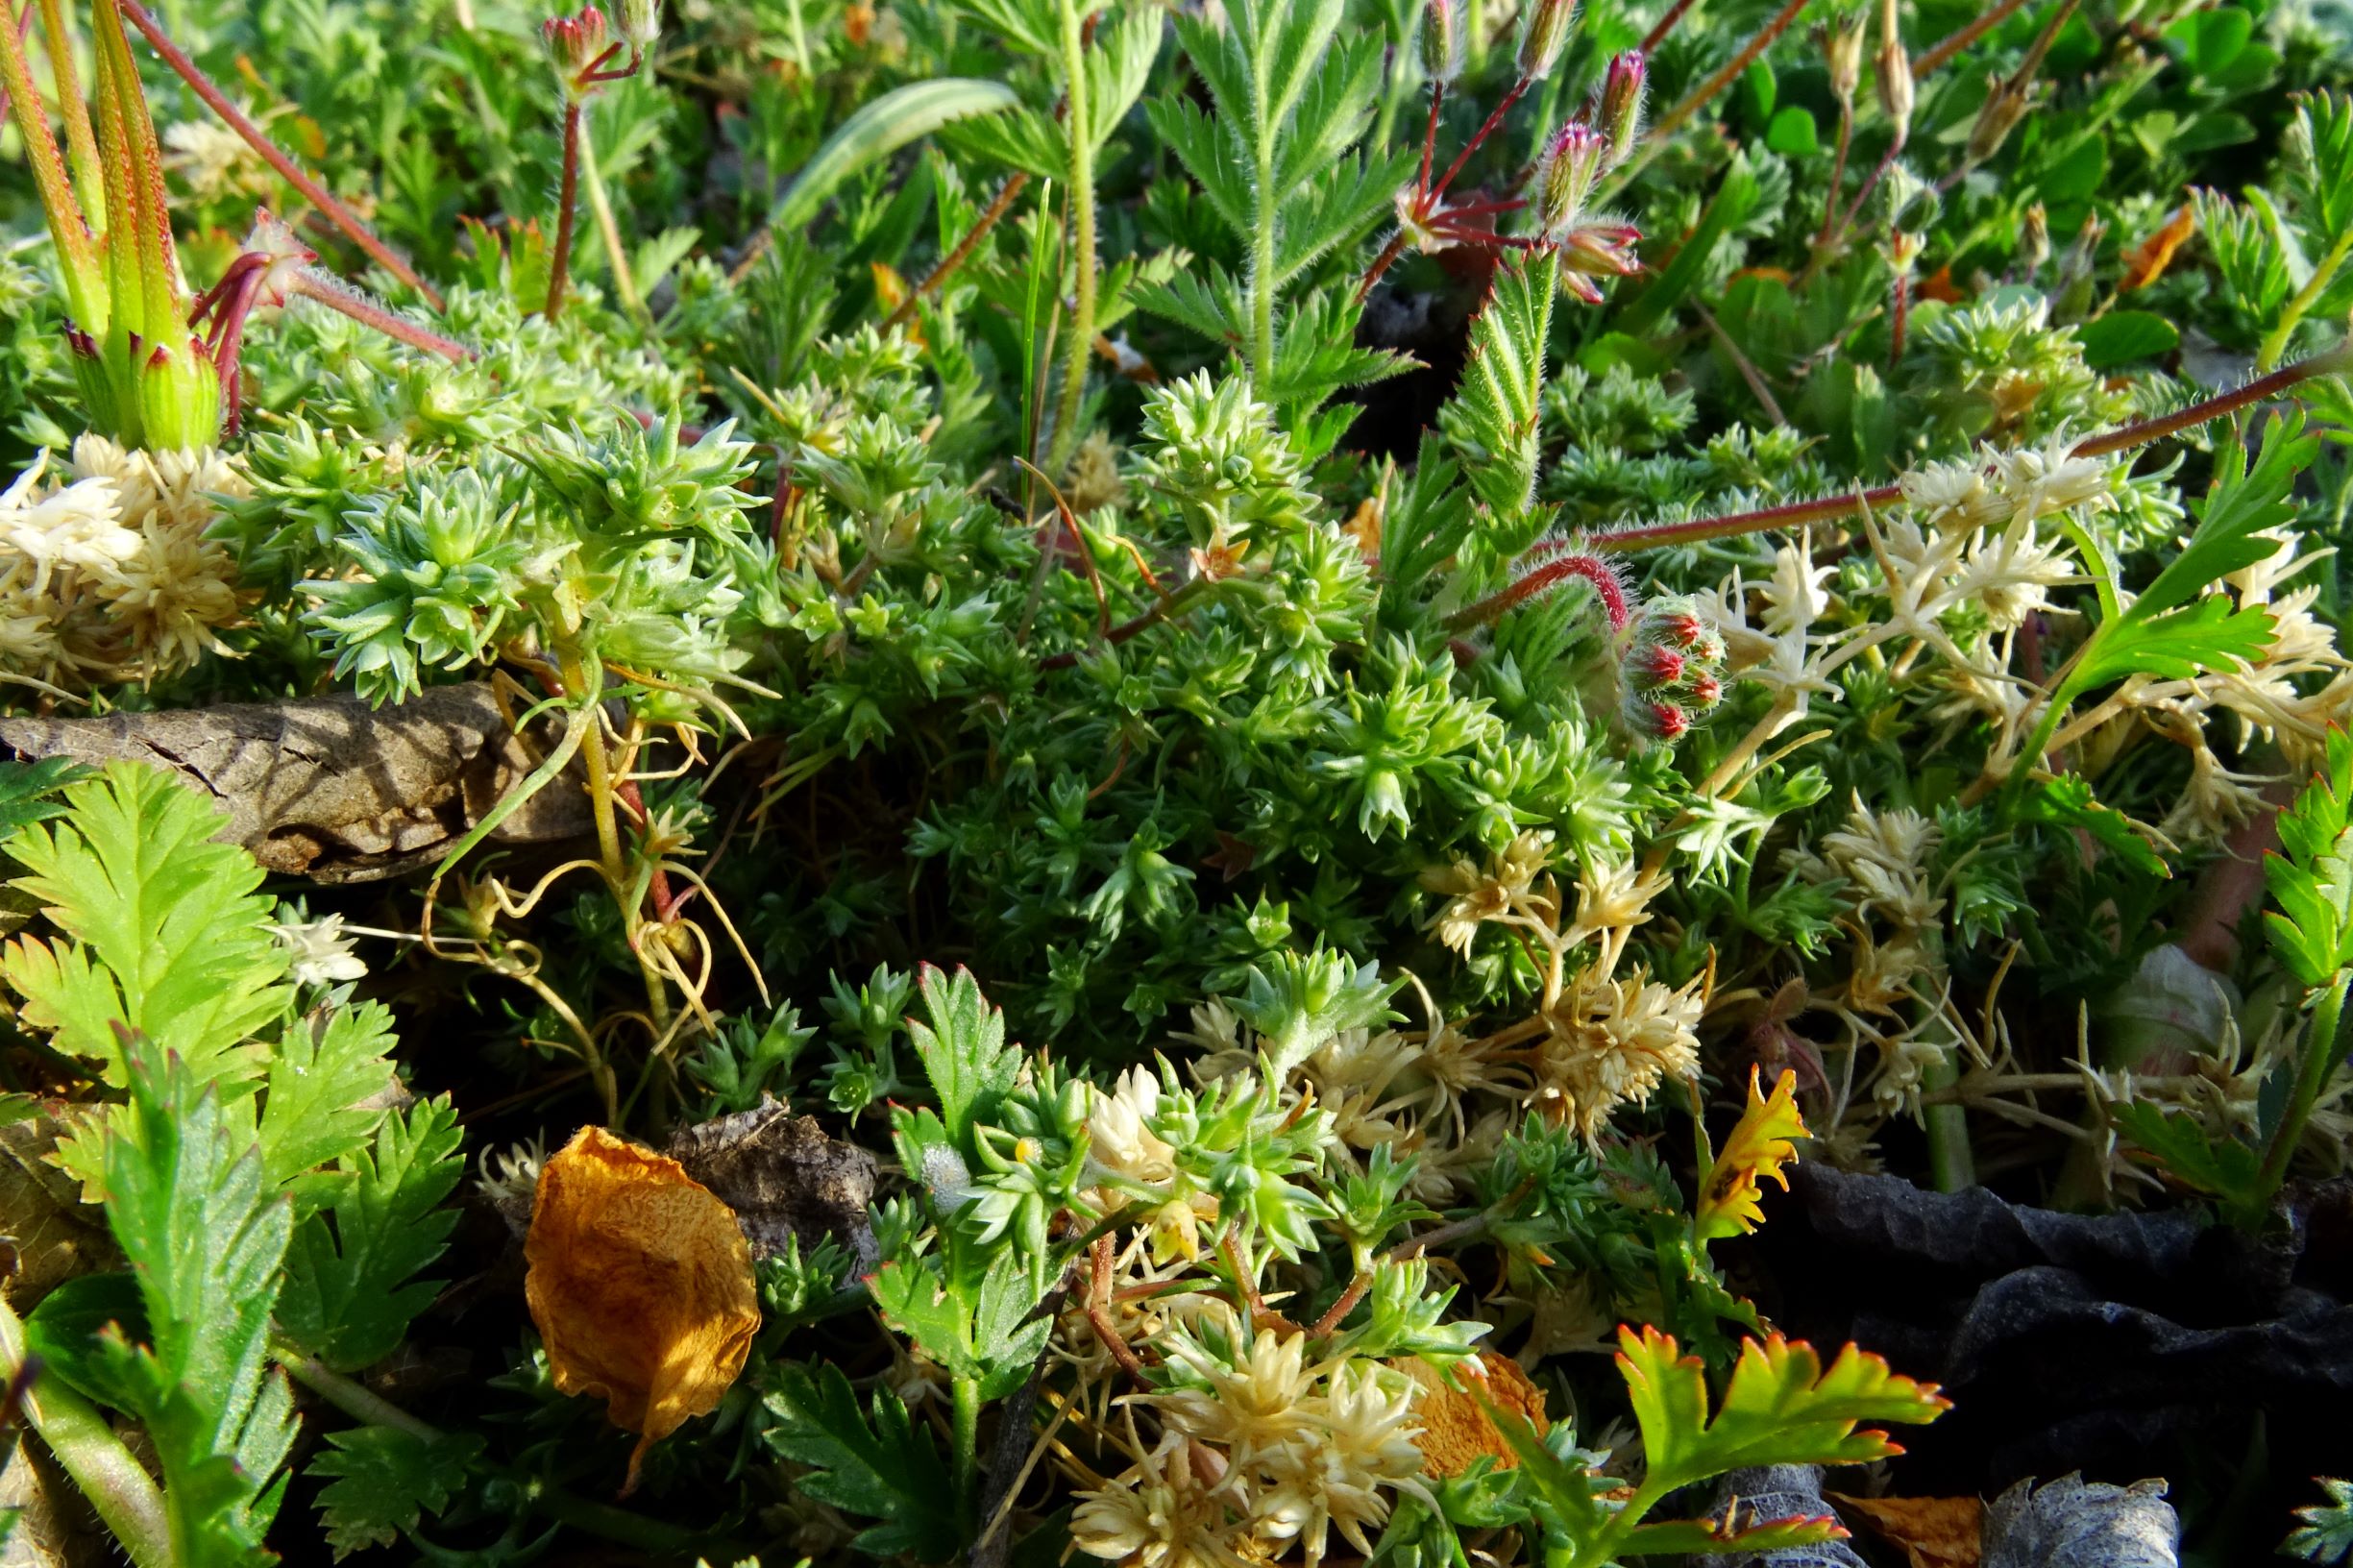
point(1933, 1531)
point(1757, 1148)
point(2145, 262)
point(1456, 1427)
point(641, 1284)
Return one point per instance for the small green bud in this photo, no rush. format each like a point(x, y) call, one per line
point(1442, 41)
point(1572, 162)
point(1549, 22)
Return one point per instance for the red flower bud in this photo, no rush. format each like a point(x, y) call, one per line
point(1620, 115)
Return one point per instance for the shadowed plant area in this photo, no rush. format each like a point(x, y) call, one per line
point(1176, 783)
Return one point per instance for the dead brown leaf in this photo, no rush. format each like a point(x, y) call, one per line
point(2145, 262)
point(1933, 1531)
point(641, 1284)
point(1456, 1427)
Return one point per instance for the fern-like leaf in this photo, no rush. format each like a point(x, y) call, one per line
point(167, 936)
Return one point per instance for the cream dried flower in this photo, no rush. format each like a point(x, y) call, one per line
point(1248, 1408)
point(1794, 596)
point(1611, 1042)
point(2037, 482)
point(1950, 495)
point(2010, 575)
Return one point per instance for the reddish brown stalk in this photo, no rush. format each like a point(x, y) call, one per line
point(1098, 1309)
point(1337, 1314)
point(340, 216)
point(1519, 89)
point(1732, 69)
point(1955, 42)
point(949, 263)
point(1261, 1315)
point(24, 31)
point(1552, 574)
point(1429, 136)
point(1798, 513)
point(560, 272)
point(337, 295)
point(1665, 25)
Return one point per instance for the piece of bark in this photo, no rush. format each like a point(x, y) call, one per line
point(328, 788)
point(784, 1178)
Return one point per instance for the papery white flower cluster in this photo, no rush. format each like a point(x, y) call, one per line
point(1261, 1451)
point(106, 573)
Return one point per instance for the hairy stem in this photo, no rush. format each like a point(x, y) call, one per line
point(949, 263)
point(337, 295)
point(2312, 1076)
point(1261, 234)
point(1657, 35)
point(964, 1398)
point(560, 268)
point(336, 214)
point(1700, 96)
point(68, 227)
point(1796, 513)
point(1519, 91)
point(2275, 342)
point(1953, 44)
point(123, 1494)
point(81, 142)
point(625, 283)
point(1078, 122)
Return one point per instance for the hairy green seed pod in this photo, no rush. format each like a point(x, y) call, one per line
point(1548, 32)
point(1442, 41)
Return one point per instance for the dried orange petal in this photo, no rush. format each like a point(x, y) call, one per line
point(641, 1284)
point(1456, 1427)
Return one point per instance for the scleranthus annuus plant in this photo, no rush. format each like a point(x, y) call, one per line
point(1136, 776)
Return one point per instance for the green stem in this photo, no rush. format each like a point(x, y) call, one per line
point(608, 232)
point(573, 668)
point(614, 1524)
point(1261, 228)
point(2320, 1056)
point(123, 1494)
point(965, 1392)
point(2275, 343)
point(1078, 120)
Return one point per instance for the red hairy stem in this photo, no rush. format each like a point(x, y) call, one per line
point(561, 271)
point(24, 31)
point(1795, 514)
point(1732, 69)
point(1519, 89)
point(1953, 44)
point(338, 214)
point(1664, 26)
point(339, 296)
point(1592, 569)
point(949, 263)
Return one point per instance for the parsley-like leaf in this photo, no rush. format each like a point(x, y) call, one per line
point(169, 936)
point(384, 1480)
point(883, 1468)
point(349, 1291)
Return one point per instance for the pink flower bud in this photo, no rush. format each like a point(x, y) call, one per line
point(1572, 160)
point(576, 46)
point(1605, 249)
point(1660, 721)
point(1620, 114)
point(1704, 691)
point(1654, 665)
point(1681, 628)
